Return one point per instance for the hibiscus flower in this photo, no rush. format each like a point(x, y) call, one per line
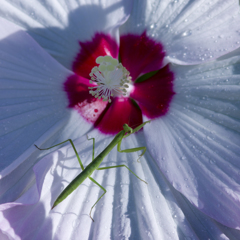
point(191, 165)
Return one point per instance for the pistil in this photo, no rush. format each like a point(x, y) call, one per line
point(110, 77)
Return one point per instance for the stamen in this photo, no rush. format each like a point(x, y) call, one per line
point(111, 78)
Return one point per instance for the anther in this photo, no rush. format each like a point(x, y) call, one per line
point(110, 77)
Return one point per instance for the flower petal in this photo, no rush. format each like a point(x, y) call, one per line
point(59, 26)
point(33, 103)
point(155, 94)
point(130, 208)
point(120, 111)
point(81, 100)
point(140, 54)
point(190, 31)
point(198, 142)
point(100, 45)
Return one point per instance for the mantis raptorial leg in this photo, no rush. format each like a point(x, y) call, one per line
point(94, 165)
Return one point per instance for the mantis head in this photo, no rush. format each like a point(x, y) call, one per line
point(127, 129)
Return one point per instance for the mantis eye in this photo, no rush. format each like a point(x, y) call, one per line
point(127, 129)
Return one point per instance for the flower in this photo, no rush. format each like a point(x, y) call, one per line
point(150, 97)
point(193, 147)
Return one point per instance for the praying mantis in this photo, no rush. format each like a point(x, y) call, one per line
point(94, 165)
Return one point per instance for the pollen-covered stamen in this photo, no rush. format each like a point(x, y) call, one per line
point(111, 78)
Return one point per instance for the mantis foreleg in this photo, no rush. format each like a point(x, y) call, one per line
point(136, 129)
point(132, 150)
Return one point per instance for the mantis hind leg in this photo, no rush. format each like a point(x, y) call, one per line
point(99, 198)
point(93, 146)
point(104, 168)
point(74, 148)
point(123, 165)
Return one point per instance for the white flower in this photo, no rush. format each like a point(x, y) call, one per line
point(193, 147)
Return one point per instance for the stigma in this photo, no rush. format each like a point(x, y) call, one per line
point(110, 77)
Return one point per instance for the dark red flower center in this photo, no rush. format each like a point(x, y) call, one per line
point(139, 55)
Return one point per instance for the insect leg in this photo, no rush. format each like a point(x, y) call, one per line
point(103, 168)
point(131, 150)
point(93, 146)
point(99, 198)
point(137, 128)
point(79, 160)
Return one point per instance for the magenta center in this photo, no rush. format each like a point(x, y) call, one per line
point(139, 55)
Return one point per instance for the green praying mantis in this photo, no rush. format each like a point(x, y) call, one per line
point(94, 165)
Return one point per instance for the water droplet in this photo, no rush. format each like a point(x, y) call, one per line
point(160, 106)
point(152, 26)
point(209, 138)
point(75, 223)
point(187, 33)
point(211, 161)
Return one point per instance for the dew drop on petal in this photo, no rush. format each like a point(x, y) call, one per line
point(152, 26)
point(187, 33)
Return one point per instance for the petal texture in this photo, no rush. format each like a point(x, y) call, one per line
point(100, 45)
point(58, 26)
point(198, 145)
point(155, 94)
point(140, 54)
point(120, 111)
point(190, 31)
point(129, 209)
point(33, 103)
point(81, 100)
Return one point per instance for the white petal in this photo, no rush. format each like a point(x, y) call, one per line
point(191, 31)
point(197, 145)
point(58, 26)
point(129, 209)
point(33, 103)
